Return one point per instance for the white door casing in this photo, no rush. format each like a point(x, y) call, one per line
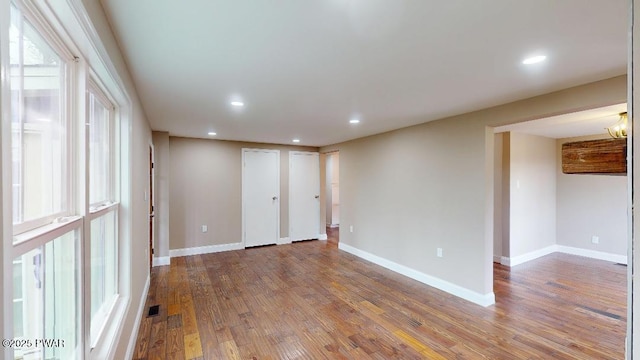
point(304, 195)
point(260, 197)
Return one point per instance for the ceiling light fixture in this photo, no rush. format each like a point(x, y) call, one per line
point(619, 129)
point(534, 60)
point(296, 140)
point(237, 103)
point(212, 133)
point(354, 121)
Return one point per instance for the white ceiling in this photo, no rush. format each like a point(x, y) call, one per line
point(304, 68)
point(581, 123)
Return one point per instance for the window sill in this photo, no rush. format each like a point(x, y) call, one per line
point(34, 224)
point(102, 209)
point(106, 343)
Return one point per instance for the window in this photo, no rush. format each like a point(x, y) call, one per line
point(103, 210)
point(103, 270)
point(46, 279)
point(100, 149)
point(45, 265)
point(62, 186)
point(18, 301)
point(39, 126)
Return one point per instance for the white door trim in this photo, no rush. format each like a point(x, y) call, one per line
point(242, 164)
point(291, 154)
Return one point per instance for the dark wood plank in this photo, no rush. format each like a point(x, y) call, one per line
point(608, 156)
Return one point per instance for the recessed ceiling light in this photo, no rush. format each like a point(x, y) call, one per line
point(237, 103)
point(534, 59)
point(212, 133)
point(354, 121)
point(296, 140)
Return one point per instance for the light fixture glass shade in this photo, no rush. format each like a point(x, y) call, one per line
point(619, 129)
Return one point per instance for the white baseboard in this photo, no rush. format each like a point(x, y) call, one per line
point(599, 255)
point(161, 261)
point(504, 260)
point(497, 258)
point(520, 259)
point(622, 259)
point(459, 291)
point(333, 226)
point(283, 241)
point(205, 249)
point(322, 236)
point(136, 325)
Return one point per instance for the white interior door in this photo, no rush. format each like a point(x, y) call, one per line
point(260, 196)
point(304, 195)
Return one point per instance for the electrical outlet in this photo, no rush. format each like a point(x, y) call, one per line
point(595, 239)
point(439, 252)
point(350, 228)
point(205, 228)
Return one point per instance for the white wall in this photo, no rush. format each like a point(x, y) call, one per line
point(532, 193)
point(589, 205)
point(408, 192)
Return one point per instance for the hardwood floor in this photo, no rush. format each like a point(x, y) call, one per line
point(309, 300)
point(333, 235)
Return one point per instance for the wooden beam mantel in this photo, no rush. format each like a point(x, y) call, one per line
point(608, 156)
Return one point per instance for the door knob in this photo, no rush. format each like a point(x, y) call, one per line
point(317, 196)
point(275, 198)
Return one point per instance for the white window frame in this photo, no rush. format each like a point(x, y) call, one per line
point(35, 19)
point(36, 233)
point(69, 23)
point(96, 90)
point(102, 208)
point(39, 238)
point(105, 311)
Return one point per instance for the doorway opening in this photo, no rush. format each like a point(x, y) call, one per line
point(538, 209)
point(332, 191)
point(572, 228)
point(151, 209)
